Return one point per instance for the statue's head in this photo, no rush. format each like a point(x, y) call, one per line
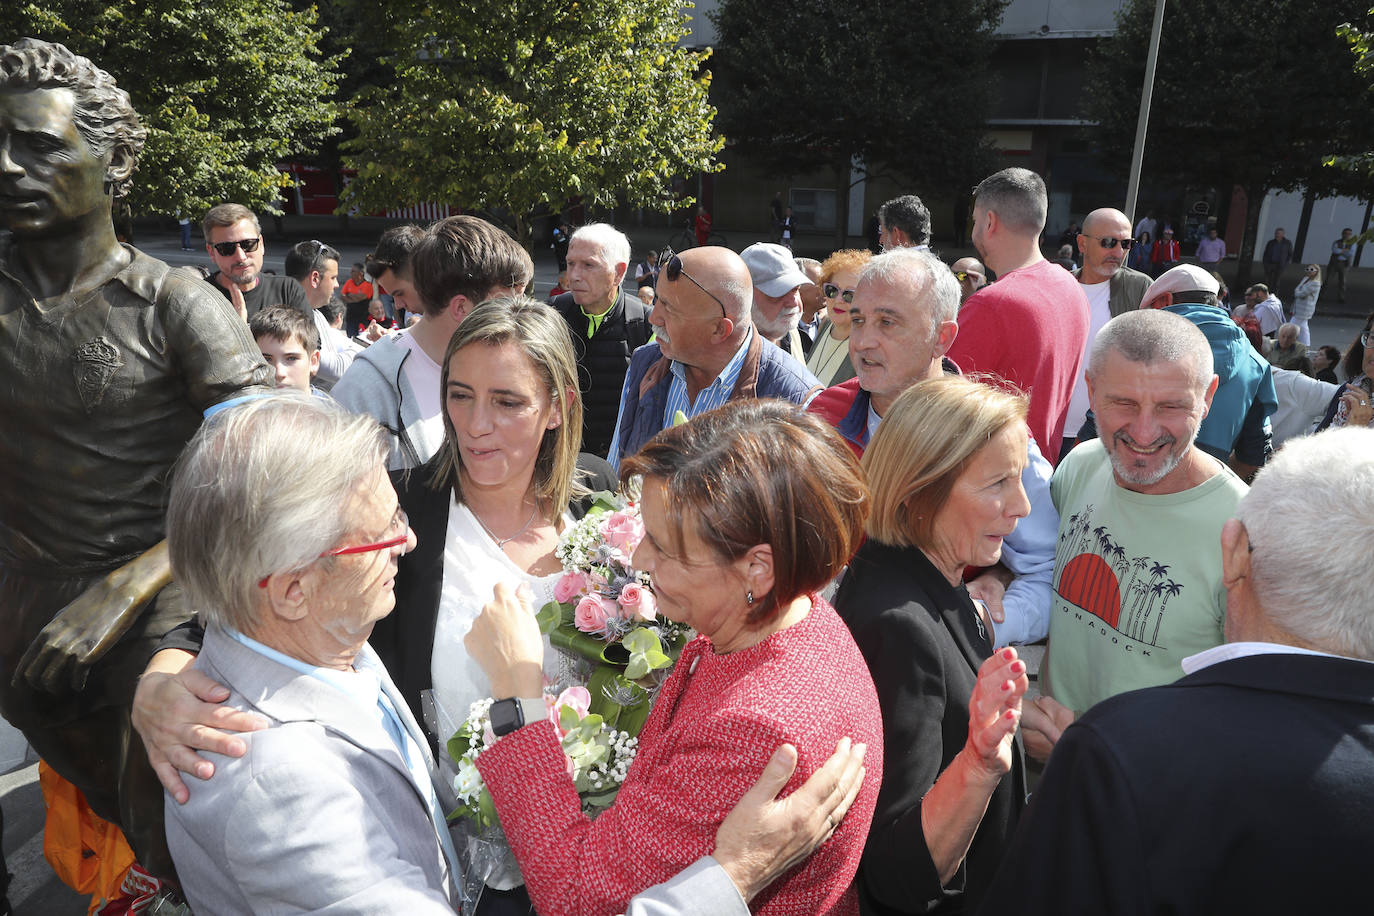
point(101, 111)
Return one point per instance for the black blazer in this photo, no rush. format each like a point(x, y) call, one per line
point(923, 643)
point(1245, 787)
point(404, 639)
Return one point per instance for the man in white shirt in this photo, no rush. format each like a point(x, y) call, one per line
point(1110, 287)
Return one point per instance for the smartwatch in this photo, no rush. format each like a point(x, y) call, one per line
point(516, 712)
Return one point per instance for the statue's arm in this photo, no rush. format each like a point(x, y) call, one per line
point(81, 633)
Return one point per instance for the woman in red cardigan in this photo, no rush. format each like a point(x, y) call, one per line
point(748, 509)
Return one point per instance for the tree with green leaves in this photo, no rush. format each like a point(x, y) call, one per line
point(1256, 93)
point(902, 88)
point(511, 106)
point(226, 90)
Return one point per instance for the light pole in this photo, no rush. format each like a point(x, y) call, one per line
point(1143, 121)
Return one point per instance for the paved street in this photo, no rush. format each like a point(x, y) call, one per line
point(36, 889)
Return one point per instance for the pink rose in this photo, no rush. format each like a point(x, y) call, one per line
point(638, 601)
point(592, 613)
point(624, 531)
point(578, 699)
point(569, 586)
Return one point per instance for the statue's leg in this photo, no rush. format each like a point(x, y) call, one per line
point(86, 737)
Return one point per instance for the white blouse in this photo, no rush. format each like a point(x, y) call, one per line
point(473, 565)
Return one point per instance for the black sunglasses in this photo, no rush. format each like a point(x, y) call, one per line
point(1109, 243)
point(672, 269)
point(226, 249)
point(831, 291)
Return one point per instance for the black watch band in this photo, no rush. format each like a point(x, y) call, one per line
point(515, 712)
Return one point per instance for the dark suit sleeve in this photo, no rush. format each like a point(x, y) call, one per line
point(909, 672)
point(1078, 848)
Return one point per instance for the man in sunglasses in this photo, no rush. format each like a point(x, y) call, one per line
point(706, 351)
point(108, 360)
point(1111, 288)
point(233, 239)
point(972, 276)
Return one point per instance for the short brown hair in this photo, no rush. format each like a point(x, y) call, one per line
point(926, 440)
point(226, 215)
point(762, 472)
point(466, 256)
point(284, 323)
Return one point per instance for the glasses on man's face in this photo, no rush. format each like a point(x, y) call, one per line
point(226, 249)
point(672, 269)
point(1110, 243)
point(830, 290)
point(397, 534)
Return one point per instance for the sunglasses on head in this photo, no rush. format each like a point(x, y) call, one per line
point(831, 291)
point(226, 249)
point(672, 269)
point(1109, 243)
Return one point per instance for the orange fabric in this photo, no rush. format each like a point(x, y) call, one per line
point(88, 853)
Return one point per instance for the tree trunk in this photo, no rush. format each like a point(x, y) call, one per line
point(1254, 199)
point(1309, 198)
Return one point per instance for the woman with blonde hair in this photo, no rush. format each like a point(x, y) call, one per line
point(944, 469)
point(1305, 300)
point(829, 359)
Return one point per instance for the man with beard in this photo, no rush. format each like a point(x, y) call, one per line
point(777, 296)
point(233, 239)
point(1137, 572)
point(1110, 288)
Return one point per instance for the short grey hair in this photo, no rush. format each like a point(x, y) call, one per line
point(614, 244)
point(913, 266)
point(1017, 196)
point(261, 489)
point(1310, 583)
point(1153, 336)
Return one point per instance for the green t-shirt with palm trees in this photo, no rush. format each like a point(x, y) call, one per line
point(1137, 579)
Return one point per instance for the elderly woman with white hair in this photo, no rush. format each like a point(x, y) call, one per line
point(284, 530)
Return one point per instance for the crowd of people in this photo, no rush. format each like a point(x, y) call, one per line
point(863, 482)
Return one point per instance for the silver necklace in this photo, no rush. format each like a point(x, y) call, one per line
point(502, 542)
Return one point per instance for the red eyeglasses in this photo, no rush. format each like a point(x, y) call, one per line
point(400, 523)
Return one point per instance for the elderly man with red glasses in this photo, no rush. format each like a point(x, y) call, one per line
point(233, 239)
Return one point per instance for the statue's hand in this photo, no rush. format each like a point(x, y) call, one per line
point(60, 657)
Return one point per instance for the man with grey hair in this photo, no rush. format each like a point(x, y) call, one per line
point(607, 326)
point(1236, 429)
point(904, 222)
point(1235, 788)
point(903, 321)
point(285, 532)
point(777, 305)
point(1031, 326)
point(706, 351)
point(108, 361)
point(1137, 572)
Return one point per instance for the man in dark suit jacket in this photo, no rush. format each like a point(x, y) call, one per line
point(1248, 785)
